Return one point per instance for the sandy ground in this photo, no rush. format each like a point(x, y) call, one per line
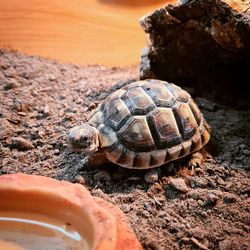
point(103, 32)
point(168, 207)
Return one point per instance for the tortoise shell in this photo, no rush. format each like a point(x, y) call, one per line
point(149, 123)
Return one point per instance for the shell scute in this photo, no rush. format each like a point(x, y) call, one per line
point(107, 136)
point(186, 147)
point(180, 94)
point(196, 142)
point(126, 158)
point(137, 101)
point(185, 120)
point(196, 111)
point(116, 113)
point(115, 153)
point(173, 153)
point(160, 94)
point(134, 84)
point(164, 127)
point(136, 135)
point(158, 157)
point(142, 159)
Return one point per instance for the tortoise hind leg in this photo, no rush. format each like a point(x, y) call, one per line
point(197, 157)
point(196, 160)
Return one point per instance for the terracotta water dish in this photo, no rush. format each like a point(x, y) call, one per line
point(43, 213)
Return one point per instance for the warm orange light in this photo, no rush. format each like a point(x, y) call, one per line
point(79, 31)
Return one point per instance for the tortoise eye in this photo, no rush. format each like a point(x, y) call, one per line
point(85, 138)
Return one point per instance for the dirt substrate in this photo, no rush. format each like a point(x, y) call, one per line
point(169, 207)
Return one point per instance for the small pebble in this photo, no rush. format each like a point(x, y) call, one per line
point(70, 116)
point(220, 181)
point(11, 84)
point(151, 176)
point(134, 179)
point(211, 200)
point(200, 202)
point(162, 214)
point(20, 106)
point(205, 104)
point(6, 129)
point(227, 243)
point(145, 213)
point(212, 184)
point(80, 179)
point(46, 110)
point(184, 240)
point(194, 194)
point(178, 184)
point(199, 244)
point(125, 208)
point(20, 143)
point(229, 198)
point(220, 169)
point(102, 176)
point(198, 182)
point(246, 152)
point(56, 151)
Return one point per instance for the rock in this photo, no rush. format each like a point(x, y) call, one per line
point(145, 213)
point(229, 198)
point(20, 143)
point(229, 243)
point(205, 43)
point(210, 200)
point(134, 179)
point(178, 184)
point(20, 106)
point(155, 189)
point(46, 110)
point(199, 244)
point(6, 129)
point(11, 83)
point(198, 232)
point(220, 181)
point(212, 184)
point(4, 152)
point(246, 152)
point(151, 176)
point(194, 194)
point(184, 240)
point(125, 208)
point(99, 193)
point(198, 182)
point(56, 151)
point(13, 118)
point(205, 104)
point(80, 179)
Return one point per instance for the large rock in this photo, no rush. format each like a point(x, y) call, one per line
point(202, 44)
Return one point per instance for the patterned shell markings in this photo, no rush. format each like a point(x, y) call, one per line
point(149, 123)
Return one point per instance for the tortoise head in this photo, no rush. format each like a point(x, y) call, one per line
point(84, 138)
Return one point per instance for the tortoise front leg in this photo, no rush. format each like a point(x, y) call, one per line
point(96, 159)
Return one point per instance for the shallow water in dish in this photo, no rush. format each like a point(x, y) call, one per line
point(19, 231)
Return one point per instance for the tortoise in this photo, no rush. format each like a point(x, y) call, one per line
point(142, 125)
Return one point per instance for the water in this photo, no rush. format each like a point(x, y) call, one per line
point(28, 231)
